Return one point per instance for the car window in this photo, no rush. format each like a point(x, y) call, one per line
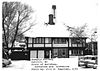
point(93, 58)
point(87, 57)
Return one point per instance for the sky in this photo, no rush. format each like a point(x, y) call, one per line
point(73, 13)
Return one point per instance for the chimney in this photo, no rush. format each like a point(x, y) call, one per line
point(51, 19)
point(54, 8)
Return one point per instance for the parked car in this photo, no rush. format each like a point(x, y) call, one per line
point(5, 59)
point(5, 62)
point(88, 61)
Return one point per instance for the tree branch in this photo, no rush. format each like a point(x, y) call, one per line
point(16, 30)
point(26, 30)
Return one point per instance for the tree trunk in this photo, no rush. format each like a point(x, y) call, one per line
point(5, 39)
point(16, 31)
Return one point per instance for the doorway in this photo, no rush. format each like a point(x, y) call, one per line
point(47, 53)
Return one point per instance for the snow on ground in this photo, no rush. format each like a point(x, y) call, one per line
point(18, 65)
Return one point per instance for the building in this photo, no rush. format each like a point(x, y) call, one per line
point(52, 42)
point(55, 47)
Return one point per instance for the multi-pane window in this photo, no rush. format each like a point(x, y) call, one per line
point(84, 43)
point(55, 52)
point(74, 42)
point(29, 45)
point(60, 52)
point(47, 40)
point(63, 52)
point(77, 42)
point(39, 40)
point(79, 45)
point(60, 41)
point(75, 52)
point(74, 45)
point(30, 40)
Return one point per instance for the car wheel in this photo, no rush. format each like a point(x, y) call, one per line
point(4, 65)
point(94, 67)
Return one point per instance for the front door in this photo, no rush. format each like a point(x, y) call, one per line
point(47, 53)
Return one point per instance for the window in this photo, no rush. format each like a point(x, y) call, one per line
point(79, 45)
point(80, 52)
point(39, 40)
point(70, 52)
point(42, 41)
point(63, 52)
point(60, 41)
point(74, 52)
point(29, 45)
point(55, 41)
point(30, 40)
point(73, 42)
point(47, 53)
point(77, 42)
point(84, 43)
point(55, 52)
point(47, 40)
point(63, 41)
point(74, 45)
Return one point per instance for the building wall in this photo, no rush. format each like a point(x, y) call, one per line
point(60, 47)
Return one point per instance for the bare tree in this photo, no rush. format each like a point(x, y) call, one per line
point(78, 31)
point(15, 16)
point(93, 35)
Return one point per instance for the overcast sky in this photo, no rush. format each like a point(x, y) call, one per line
point(69, 12)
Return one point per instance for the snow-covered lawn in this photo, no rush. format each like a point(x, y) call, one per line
point(19, 65)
